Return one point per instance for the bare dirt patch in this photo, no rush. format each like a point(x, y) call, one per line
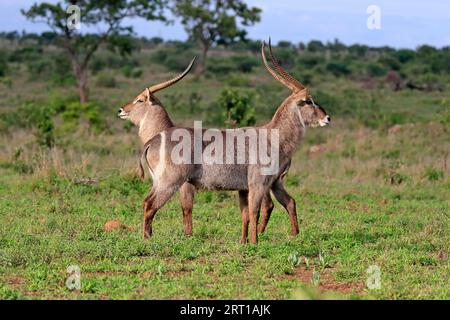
point(327, 281)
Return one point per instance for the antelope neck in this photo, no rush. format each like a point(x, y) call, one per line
point(153, 122)
point(291, 126)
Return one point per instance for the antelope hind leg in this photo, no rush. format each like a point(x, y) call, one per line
point(156, 199)
point(243, 203)
point(266, 210)
point(288, 203)
point(187, 194)
point(255, 196)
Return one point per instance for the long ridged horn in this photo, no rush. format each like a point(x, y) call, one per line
point(283, 72)
point(168, 83)
point(273, 73)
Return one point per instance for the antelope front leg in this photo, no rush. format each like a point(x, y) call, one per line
point(243, 203)
point(187, 194)
point(255, 196)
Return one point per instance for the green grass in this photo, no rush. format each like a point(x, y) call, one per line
point(371, 198)
point(351, 215)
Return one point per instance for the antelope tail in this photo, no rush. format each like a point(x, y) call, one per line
point(141, 171)
point(141, 164)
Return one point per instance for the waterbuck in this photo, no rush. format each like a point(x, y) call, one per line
point(151, 118)
point(178, 156)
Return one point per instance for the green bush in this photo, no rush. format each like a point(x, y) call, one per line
point(285, 57)
point(389, 62)
point(237, 109)
point(27, 54)
point(446, 116)
point(246, 63)
point(338, 69)
point(109, 60)
point(310, 60)
point(433, 174)
point(106, 80)
point(132, 72)
point(40, 119)
point(220, 66)
point(237, 80)
point(175, 59)
point(376, 70)
point(74, 113)
point(62, 71)
point(404, 55)
point(3, 63)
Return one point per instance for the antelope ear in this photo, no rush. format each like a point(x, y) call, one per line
point(147, 95)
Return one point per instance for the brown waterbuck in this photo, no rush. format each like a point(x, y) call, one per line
point(201, 163)
point(151, 118)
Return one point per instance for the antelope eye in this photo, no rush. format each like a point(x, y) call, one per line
point(301, 103)
point(140, 100)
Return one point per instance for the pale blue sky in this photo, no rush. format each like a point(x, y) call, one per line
point(403, 23)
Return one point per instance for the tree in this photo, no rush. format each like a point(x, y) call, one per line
point(107, 15)
point(215, 22)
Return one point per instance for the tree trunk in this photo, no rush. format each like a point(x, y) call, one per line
point(82, 88)
point(200, 68)
point(81, 75)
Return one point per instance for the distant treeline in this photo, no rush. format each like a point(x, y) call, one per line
point(358, 76)
point(424, 68)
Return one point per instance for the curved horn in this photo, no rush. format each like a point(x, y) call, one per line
point(284, 74)
point(273, 73)
point(170, 82)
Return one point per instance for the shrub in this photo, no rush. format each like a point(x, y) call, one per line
point(237, 80)
point(40, 119)
point(62, 71)
point(108, 60)
point(404, 55)
point(175, 59)
point(237, 109)
point(27, 54)
point(245, 63)
point(131, 72)
point(389, 62)
point(220, 66)
point(330, 102)
point(315, 45)
point(433, 174)
point(106, 80)
point(285, 57)
point(73, 113)
point(446, 117)
point(338, 69)
point(3, 64)
point(376, 70)
point(310, 60)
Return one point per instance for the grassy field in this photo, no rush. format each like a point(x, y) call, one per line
point(351, 217)
point(375, 195)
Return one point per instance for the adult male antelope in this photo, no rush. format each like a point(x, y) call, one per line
point(149, 115)
point(297, 112)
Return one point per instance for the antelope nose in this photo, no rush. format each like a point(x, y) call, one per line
point(328, 118)
point(120, 110)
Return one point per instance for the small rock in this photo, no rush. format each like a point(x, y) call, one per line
point(316, 149)
point(394, 129)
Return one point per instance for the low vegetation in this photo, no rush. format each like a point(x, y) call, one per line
point(372, 189)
